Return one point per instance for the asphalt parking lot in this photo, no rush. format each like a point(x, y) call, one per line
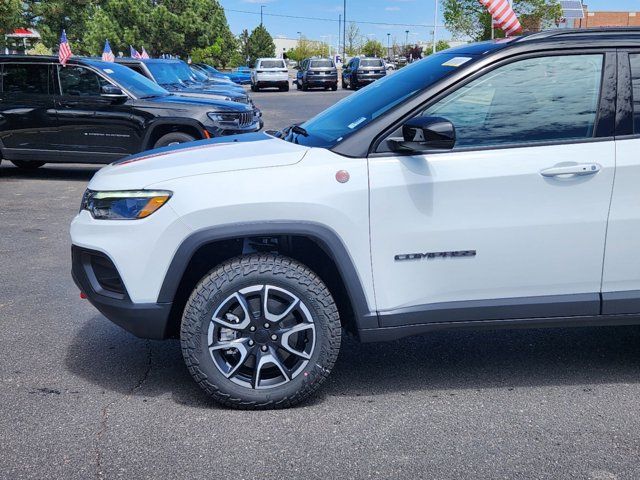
point(80, 398)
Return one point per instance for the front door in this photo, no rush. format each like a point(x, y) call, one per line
point(511, 223)
point(91, 123)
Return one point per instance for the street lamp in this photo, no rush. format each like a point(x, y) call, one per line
point(388, 46)
point(435, 25)
point(261, 8)
point(406, 38)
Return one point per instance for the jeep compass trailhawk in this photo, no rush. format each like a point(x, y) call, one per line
point(474, 188)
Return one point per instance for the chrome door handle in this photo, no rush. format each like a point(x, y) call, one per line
point(577, 170)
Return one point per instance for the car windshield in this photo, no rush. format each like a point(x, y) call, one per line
point(164, 73)
point(321, 64)
point(367, 62)
point(358, 109)
point(139, 85)
point(200, 76)
point(271, 64)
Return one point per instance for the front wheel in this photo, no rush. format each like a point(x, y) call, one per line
point(26, 164)
point(173, 138)
point(260, 331)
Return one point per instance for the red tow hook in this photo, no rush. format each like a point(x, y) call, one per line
point(83, 295)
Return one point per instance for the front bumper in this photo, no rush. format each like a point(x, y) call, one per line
point(97, 277)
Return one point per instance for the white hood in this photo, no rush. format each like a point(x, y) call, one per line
point(197, 158)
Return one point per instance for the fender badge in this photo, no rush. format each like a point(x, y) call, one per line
point(342, 176)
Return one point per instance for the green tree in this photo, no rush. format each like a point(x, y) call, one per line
point(305, 48)
point(39, 49)
point(260, 44)
point(50, 17)
point(353, 39)
point(469, 18)
point(243, 46)
point(10, 17)
point(373, 48)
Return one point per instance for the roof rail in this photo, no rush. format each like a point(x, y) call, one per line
point(557, 32)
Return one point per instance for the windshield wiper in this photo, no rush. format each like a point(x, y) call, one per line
point(299, 130)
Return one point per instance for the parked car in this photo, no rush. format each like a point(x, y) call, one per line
point(241, 78)
point(166, 73)
point(317, 72)
point(389, 66)
point(270, 72)
point(97, 112)
point(361, 71)
point(491, 185)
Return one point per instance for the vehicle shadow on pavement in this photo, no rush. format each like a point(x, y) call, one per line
point(438, 364)
point(83, 173)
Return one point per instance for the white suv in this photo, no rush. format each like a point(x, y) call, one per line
point(475, 188)
point(270, 72)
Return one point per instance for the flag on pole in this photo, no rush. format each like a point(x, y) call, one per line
point(107, 54)
point(64, 52)
point(503, 16)
point(135, 53)
point(144, 53)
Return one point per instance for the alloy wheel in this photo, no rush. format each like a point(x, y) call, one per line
point(261, 337)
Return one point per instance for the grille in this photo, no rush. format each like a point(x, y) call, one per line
point(246, 119)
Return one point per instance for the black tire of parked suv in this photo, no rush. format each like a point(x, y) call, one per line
point(344, 84)
point(255, 88)
point(234, 276)
point(297, 85)
point(334, 87)
point(27, 165)
point(305, 87)
point(173, 138)
point(284, 87)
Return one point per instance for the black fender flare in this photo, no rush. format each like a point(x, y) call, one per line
point(324, 236)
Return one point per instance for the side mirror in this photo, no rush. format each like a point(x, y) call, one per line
point(111, 91)
point(424, 134)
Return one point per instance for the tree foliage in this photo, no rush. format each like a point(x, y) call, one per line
point(306, 49)
point(373, 48)
point(353, 37)
point(260, 44)
point(10, 15)
point(469, 18)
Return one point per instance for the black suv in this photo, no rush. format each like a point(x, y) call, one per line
point(317, 72)
point(97, 112)
point(362, 71)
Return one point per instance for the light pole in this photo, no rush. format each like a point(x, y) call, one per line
point(344, 31)
point(261, 8)
point(435, 24)
point(388, 46)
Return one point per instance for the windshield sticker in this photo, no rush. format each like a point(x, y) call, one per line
point(456, 61)
point(356, 123)
point(107, 70)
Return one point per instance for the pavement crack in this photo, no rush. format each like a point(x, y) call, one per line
point(104, 414)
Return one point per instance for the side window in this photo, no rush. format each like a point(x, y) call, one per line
point(534, 100)
point(80, 82)
point(26, 78)
point(635, 82)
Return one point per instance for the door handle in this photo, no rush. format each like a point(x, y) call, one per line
point(577, 170)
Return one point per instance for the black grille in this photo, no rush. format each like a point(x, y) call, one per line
point(246, 119)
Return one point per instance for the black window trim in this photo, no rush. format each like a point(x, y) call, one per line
point(608, 87)
point(624, 106)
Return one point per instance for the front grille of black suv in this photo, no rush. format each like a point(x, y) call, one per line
point(246, 119)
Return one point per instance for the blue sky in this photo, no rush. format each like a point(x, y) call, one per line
point(417, 12)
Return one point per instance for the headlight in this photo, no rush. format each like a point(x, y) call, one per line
point(223, 117)
point(124, 205)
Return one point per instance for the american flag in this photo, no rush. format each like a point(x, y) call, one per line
point(64, 53)
point(503, 16)
point(144, 53)
point(134, 53)
point(107, 54)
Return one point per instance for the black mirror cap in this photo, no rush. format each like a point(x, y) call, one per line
point(111, 91)
point(429, 133)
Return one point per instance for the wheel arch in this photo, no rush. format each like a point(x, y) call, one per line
point(161, 127)
point(218, 244)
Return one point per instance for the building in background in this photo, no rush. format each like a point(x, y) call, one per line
point(20, 40)
point(607, 19)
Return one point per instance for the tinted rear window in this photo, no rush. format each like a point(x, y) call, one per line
point(371, 63)
point(321, 64)
point(271, 64)
point(26, 78)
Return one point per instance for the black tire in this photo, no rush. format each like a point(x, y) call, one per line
point(217, 291)
point(305, 87)
point(27, 165)
point(334, 87)
point(173, 138)
point(285, 87)
point(344, 84)
point(297, 86)
point(253, 88)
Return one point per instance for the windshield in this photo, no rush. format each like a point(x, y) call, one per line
point(271, 64)
point(200, 76)
point(164, 73)
point(367, 62)
point(358, 109)
point(321, 64)
point(139, 85)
